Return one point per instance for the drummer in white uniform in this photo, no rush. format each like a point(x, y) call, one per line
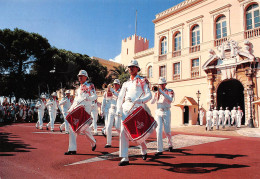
point(163, 98)
point(40, 105)
point(136, 92)
point(112, 113)
point(85, 95)
point(65, 103)
point(52, 106)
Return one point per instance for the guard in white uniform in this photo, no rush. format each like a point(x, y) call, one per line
point(112, 113)
point(215, 118)
point(106, 104)
point(239, 116)
point(227, 117)
point(85, 95)
point(135, 92)
point(164, 97)
point(52, 106)
point(209, 116)
point(65, 103)
point(234, 116)
point(201, 116)
point(221, 115)
point(40, 105)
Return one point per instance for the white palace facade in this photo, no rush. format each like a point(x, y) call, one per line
point(210, 46)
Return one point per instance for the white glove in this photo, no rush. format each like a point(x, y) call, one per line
point(138, 101)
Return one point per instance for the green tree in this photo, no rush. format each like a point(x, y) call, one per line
point(120, 72)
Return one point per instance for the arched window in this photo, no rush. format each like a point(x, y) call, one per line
point(221, 27)
point(150, 72)
point(163, 46)
point(252, 17)
point(177, 41)
point(195, 35)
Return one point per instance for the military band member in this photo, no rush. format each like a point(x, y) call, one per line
point(85, 95)
point(221, 120)
point(227, 117)
point(40, 105)
point(112, 113)
point(135, 92)
point(234, 116)
point(163, 98)
point(201, 116)
point(209, 116)
point(65, 103)
point(52, 106)
point(239, 116)
point(215, 118)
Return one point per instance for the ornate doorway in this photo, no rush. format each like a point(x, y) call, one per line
point(230, 94)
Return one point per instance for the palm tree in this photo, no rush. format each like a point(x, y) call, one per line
point(119, 72)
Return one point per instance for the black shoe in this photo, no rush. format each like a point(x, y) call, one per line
point(158, 153)
point(70, 153)
point(206, 128)
point(94, 147)
point(47, 128)
point(104, 134)
point(107, 146)
point(144, 157)
point(60, 129)
point(124, 163)
point(170, 149)
point(52, 130)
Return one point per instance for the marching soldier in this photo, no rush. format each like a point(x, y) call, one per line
point(163, 98)
point(66, 104)
point(227, 117)
point(40, 105)
point(209, 116)
point(221, 113)
point(135, 92)
point(85, 95)
point(112, 112)
point(52, 106)
point(215, 118)
point(234, 116)
point(239, 116)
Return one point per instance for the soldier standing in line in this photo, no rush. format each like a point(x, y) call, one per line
point(85, 95)
point(135, 92)
point(227, 117)
point(215, 118)
point(40, 106)
point(112, 113)
point(233, 116)
point(163, 98)
point(239, 116)
point(221, 113)
point(201, 116)
point(66, 104)
point(52, 106)
point(209, 116)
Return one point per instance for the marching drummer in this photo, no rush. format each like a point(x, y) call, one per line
point(65, 103)
point(136, 92)
point(40, 105)
point(163, 97)
point(111, 113)
point(85, 95)
point(52, 106)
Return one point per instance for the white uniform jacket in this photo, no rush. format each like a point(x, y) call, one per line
point(106, 103)
point(52, 105)
point(66, 104)
point(40, 105)
point(164, 100)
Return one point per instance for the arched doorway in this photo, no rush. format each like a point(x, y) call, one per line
point(230, 94)
point(186, 114)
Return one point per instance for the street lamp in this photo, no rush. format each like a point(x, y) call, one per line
point(198, 96)
point(250, 93)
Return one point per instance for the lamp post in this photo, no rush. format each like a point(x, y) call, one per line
point(198, 96)
point(250, 93)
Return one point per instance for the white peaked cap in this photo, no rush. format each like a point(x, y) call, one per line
point(54, 94)
point(83, 72)
point(67, 91)
point(162, 81)
point(133, 63)
point(116, 81)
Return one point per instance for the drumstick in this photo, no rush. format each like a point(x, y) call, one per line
point(134, 103)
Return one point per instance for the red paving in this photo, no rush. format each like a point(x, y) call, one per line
point(25, 154)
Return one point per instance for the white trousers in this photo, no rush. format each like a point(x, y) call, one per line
point(201, 120)
point(94, 115)
point(163, 119)
point(73, 139)
point(215, 121)
point(52, 119)
point(65, 124)
point(105, 121)
point(124, 143)
point(40, 122)
point(208, 123)
point(239, 118)
point(227, 118)
point(221, 120)
point(234, 119)
point(110, 121)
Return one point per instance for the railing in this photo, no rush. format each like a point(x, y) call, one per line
point(195, 48)
point(176, 76)
point(219, 42)
point(176, 53)
point(252, 33)
point(194, 72)
point(162, 57)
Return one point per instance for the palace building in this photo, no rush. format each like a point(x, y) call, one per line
point(208, 52)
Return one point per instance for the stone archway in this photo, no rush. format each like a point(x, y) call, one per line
point(230, 93)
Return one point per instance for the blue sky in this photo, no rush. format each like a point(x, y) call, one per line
point(92, 27)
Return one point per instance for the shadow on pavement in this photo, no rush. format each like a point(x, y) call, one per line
point(11, 143)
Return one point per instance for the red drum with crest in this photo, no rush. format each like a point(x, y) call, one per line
point(78, 118)
point(139, 125)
